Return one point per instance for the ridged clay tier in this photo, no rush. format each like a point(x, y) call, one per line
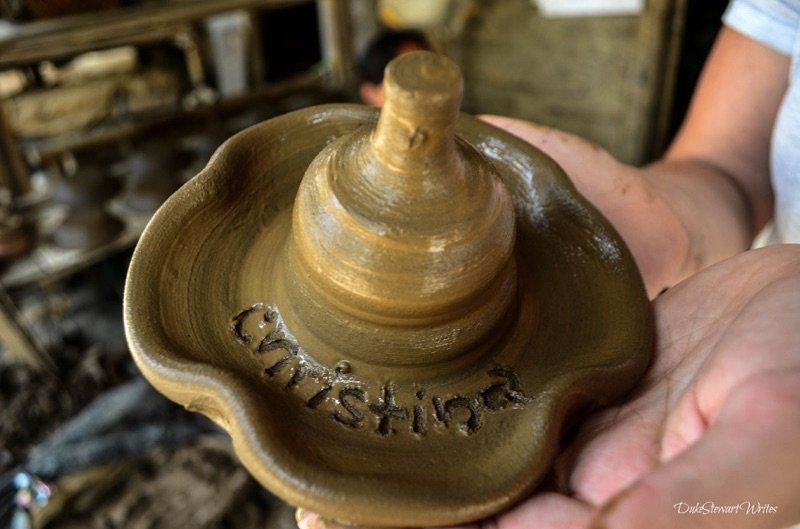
point(394, 315)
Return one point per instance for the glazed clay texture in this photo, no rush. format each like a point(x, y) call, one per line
point(394, 316)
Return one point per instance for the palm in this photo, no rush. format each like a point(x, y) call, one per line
point(716, 418)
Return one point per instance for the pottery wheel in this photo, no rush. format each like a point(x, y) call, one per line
point(394, 317)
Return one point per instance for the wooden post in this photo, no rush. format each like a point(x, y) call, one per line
point(13, 173)
point(337, 46)
point(16, 339)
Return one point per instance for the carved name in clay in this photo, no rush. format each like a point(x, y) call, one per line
point(348, 401)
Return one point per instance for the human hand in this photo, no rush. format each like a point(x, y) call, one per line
point(718, 416)
point(716, 419)
point(648, 210)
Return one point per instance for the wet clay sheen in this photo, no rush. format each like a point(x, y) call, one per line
point(402, 238)
point(394, 316)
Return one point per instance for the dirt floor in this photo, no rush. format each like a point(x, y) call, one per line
point(116, 453)
point(193, 481)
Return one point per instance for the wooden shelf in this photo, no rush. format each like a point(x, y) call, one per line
point(49, 263)
point(175, 21)
point(67, 36)
point(132, 126)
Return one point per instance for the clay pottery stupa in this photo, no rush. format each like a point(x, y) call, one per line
point(153, 174)
point(148, 195)
point(87, 227)
point(155, 159)
point(89, 186)
point(395, 315)
point(86, 224)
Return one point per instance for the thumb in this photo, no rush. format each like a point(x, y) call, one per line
point(743, 472)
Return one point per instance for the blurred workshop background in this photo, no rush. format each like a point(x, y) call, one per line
point(108, 106)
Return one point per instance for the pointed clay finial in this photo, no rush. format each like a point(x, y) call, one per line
point(402, 236)
point(416, 128)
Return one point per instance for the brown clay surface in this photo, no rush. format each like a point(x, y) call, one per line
point(373, 413)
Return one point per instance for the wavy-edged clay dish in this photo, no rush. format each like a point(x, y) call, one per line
point(206, 318)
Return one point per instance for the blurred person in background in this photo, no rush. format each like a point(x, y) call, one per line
point(384, 47)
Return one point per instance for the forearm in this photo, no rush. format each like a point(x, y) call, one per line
point(716, 173)
point(710, 209)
